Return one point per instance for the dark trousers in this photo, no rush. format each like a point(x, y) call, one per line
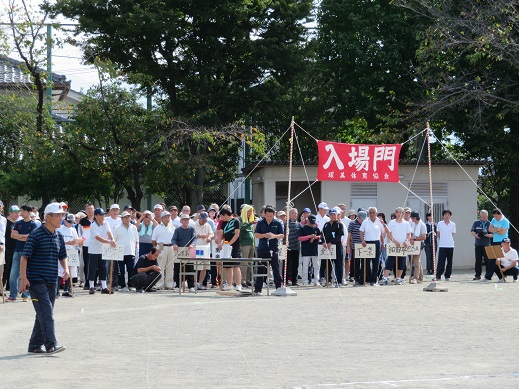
point(145, 248)
point(510, 272)
point(274, 263)
point(339, 263)
point(481, 257)
point(357, 267)
point(293, 265)
point(97, 264)
point(445, 254)
point(128, 263)
point(176, 274)
point(86, 261)
point(145, 281)
point(372, 265)
point(43, 296)
point(429, 257)
point(213, 270)
point(7, 268)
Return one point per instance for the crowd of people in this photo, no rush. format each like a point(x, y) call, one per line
point(152, 240)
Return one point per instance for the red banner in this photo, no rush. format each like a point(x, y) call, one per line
point(351, 162)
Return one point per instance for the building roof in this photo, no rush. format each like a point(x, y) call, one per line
point(13, 74)
point(413, 162)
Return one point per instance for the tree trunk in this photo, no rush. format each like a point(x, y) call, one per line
point(196, 195)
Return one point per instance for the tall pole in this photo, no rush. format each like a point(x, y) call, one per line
point(431, 207)
point(49, 67)
point(288, 199)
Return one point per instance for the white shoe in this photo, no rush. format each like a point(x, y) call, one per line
point(305, 283)
point(191, 290)
point(131, 289)
point(317, 284)
point(227, 287)
point(514, 281)
point(413, 281)
point(202, 287)
point(125, 289)
point(238, 288)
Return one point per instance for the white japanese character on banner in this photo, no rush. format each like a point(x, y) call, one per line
point(333, 156)
point(375, 176)
point(364, 175)
point(330, 174)
point(384, 153)
point(343, 175)
point(360, 159)
point(353, 175)
point(386, 176)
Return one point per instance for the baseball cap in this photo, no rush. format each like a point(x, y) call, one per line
point(332, 211)
point(185, 216)
point(173, 208)
point(323, 206)
point(363, 215)
point(415, 214)
point(307, 210)
point(506, 240)
point(407, 209)
point(14, 208)
point(311, 219)
point(164, 213)
point(128, 207)
point(124, 214)
point(114, 206)
point(204, 216)
point(146, 212)
point(70, 218)
point(53, 208)
point(99, 211)
point(352, 212)
point(281, 213)
point(200, 208)
point(157, 206)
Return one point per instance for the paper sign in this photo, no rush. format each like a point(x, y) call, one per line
point(215, 253)
point(393, 251)
point(112, 253)
point(203, 251)
point(183, 252)
point(325, 253)
point(73, 257)
point(282, 252)
point(365, 252)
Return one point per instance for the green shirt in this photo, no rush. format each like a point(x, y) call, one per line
point(246, 234)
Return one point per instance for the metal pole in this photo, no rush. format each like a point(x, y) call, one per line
point(49, 67)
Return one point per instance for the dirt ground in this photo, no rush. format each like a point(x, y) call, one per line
point(366, 337)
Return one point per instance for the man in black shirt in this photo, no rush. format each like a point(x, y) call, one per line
point(146, 272)
point(10, 243)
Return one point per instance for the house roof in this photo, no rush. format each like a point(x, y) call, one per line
point(413, 162)
point(13, 74)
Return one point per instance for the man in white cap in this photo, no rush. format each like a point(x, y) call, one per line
point(157, 212)
point(126, 235)
point(161, 238)
point(113, 220)
point(72, 242)
point(43, 249)
point(321, 219)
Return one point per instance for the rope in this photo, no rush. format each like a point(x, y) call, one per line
point(414, 173)
point(431, 208)
point(304, 167)
point(303, 191)
point(288, 199)
point(414, 136)
point(307, 133)
point(413, 193)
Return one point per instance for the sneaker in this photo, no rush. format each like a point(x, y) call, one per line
point(227, 287)
point(131, 289)
point(484, 279)
point(125, 289)
point(500, 281)
point(191, 290)
point(476, 278)
point(91, 291)
point(55, 350)
point(317, 284)
point(305, 283)
point(413, 281)
point(105, 291)
point(67, 294)
point(25, 299)
point(238, 288)
point(11, 298)
point(202, 287)
point(515, 280)
point(86, 287)
point(373, 284)
point(447, 279)
point(140, 290)
point(36, 350)
point(384, 281)
point(399, 282)
point(258, 294)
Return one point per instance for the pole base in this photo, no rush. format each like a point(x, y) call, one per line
point(434, 287)
point(284, 291)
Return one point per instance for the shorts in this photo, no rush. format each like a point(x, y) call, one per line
point(390, 263)
point(236, 253)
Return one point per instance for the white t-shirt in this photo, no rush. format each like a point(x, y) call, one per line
point(445, 231)
point(126, 237)
point(96, 247)
point(114, 223)
point(346, 222)
point(176, 222)
point(399, 231)
point(69, 233)
point(202, 230)
point(418, 229)
point(163, 234)
point(509, 257)
point(371, 230)
point(321, 221)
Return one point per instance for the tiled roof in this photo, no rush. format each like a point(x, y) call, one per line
point(12, 73)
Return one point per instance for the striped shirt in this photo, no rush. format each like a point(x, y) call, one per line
point(43, 249)
point(354, 230)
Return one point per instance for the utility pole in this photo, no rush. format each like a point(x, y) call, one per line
point(49, 67)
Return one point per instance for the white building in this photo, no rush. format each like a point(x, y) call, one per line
point(452, 189)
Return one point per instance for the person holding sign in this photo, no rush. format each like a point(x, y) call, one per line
point(126, 235)
point(44, 248)
point(204, 236)
point(371, 233)
point(418, 235)
point(333, 232)
point(499, 228)
point(184, 236)
point(399, 233)
point(309, 235)
point(446, 231)
point(99, 233)
point(508, 262)
point(72, 242)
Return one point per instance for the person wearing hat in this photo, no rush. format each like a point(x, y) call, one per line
point(84, 233)
point(175, 220)
point(113, 218)
point(247, 224)
point(100, 233)
point(43, 249)
point(185, 236)
point(72, 242)
point(20, 232)
point(333, 231)
point(161, 238)
point(399, 232)
point(309, 235)
point(508, 263)
point(133, 213)
point(10, 243)
point(145, 225)
point(126, 235)
point(204, 236)
point(418, 234)
point(321, 219)
point(157, 212)
point(354, 238)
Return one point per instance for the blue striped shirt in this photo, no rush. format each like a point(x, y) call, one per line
point(43, 249)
